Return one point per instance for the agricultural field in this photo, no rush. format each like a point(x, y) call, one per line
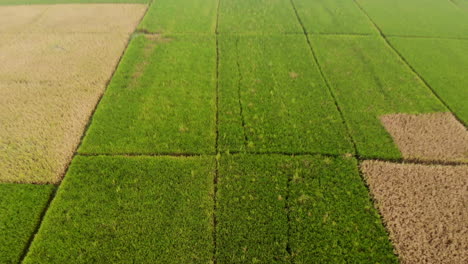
point(249, 131)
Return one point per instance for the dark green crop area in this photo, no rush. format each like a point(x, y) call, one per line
point(160, 100)
point(257, 16)
point(333, 17)
point(272, 98)
point(21, 207)
point(130, 210)
point(332, 217)
point(319, 204)
point(443, 63)
point(40, 2)
point(434, 18)
point(180, 16)
point(370, 80)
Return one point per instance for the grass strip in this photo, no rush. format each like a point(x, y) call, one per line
point(130, 209)
point(331, 215)
point(257, 16)
point(40, 2)
point(160, 100)
point(180, 16)
point(369, 80)
point(251, 200)
point(442, 63)
point(275, 101)
point(333, 17)
point(417, 17)
point(21, 207)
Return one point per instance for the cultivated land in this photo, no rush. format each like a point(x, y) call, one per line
point(266, 95)
point(55, 65)
point(234, 131)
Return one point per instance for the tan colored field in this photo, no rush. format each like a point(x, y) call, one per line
point(424, 207)
point(53, 71)
point(435, 136)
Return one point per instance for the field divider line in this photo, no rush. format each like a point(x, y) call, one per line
point(330, 90)
point(54, 193)
point(216, 176)
point(455, 4)
point(239, 96)
point(408, 64)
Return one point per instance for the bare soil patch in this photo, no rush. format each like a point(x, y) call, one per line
point(424, 208)
point(51, 81)
point(434, 136)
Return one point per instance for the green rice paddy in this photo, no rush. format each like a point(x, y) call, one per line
point(231, 132)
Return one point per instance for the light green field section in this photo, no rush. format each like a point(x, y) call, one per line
point(180, 16)
point(370, 80)
point(443, 64)
point(160, 100)
point(130, 210)
point(434, 18)
point(272, 98)
point(319, 204)
point(40, 2)
point(333, 17)
point(21, 207)
point(257, 16)
point(463, 4)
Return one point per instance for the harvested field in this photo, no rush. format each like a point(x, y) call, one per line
point(21, 206)
point(436, 136)
point(424, 207)
point(50, 82)
point(45, 2)
point(138, 209)
point(334, 17)
point(443, 64)
point(193, 16)
point(370, 82)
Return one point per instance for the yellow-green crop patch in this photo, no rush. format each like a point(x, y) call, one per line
point(443, 64)
point(275, 101)
point(160, 100)
point(257, 16)
point(433, 18)
point(21, 207)
point(370, 80)
point(180, 16)
point(130, 209)
point(304, 209)
point(333, 17)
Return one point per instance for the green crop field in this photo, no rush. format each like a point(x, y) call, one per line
point(246, 131)
point(267, 98)
point(193, 16)
point(333, 17)
point(21, 207)
point(161, 99)
point(139, 209)
point(371, 82)
point(443, 63)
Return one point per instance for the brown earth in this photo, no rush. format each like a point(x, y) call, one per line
point(51, 81)
point(435, 136)
point(424, 208)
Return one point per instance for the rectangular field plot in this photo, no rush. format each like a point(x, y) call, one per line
point(258, 16)
point(332, 219)
point(180, 16)
point(370, 80)
point(130, 210)
point(161, 99)
point(333, 17)
point(40, 2)
point(21, 207)
point(319, 204)
point(273, 98)
point(252, 223)
point(443, 63)
point(432, 18)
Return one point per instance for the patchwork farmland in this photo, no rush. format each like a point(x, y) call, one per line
point(219, 131)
